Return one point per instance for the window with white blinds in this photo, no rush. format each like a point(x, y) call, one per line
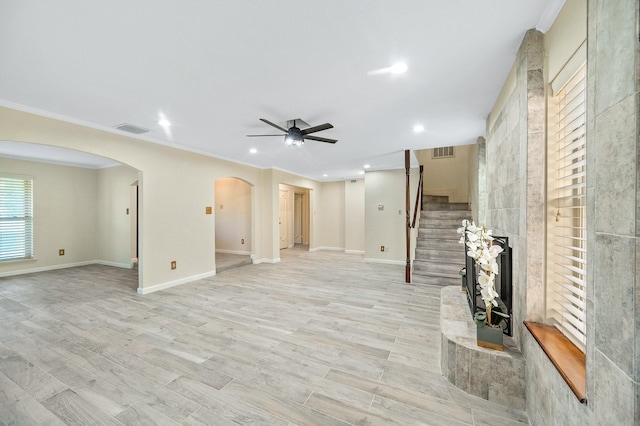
point(16, 218)
point(566, 198)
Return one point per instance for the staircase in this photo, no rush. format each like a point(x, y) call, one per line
point(439, 256)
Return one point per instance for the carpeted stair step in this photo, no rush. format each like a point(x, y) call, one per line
point(453, 223)
point(444, 233)
point(428, 215)
point(438, 268)
point(437, 254)
point(442, 206)
point(435, 280)
point(435, 199)
point(440, 244)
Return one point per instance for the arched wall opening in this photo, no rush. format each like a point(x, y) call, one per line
point(82, 208)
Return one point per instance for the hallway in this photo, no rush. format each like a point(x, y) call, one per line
point(319, 338)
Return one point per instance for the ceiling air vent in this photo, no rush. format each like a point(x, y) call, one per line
point(126, 127)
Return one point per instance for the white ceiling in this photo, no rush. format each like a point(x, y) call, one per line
point(213, 68)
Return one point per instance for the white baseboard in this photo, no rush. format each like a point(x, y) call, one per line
point(244, 253)
point(164, 286)
point(385, 261)
point(354, 251)
point(115, 264)
point(46, 268)
point(312, 250)
point(276, 260)
point(65, 266)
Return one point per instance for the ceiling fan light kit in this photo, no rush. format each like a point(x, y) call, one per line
point(295, 137)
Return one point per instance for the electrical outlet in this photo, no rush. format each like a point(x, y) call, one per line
point(173, 264)
point(242, 241)
point(208, 210)
point(381, 248)
point(61, 252)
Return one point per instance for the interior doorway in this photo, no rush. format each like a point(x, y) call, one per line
point(283, 219)
point(297, 218)
point(135, 220)
point(233, 223)
point(294, 216)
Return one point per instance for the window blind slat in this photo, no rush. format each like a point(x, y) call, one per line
point(16, 218)
point(566, 227)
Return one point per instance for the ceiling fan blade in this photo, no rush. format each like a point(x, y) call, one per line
point(319, 139)
point(255, 136)
point(318, 128)
point(274, 125)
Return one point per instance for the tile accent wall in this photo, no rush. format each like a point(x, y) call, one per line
point(515, 150)
point(613, 317)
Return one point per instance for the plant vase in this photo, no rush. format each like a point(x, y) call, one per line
point(490, 337)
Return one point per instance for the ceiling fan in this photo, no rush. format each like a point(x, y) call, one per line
point(296, 137)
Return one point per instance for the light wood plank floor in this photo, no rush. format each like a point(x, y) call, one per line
point(320, 338)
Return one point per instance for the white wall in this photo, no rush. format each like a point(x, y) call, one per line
point(386, 226)
point(80, 210)
point(175, 188)
point(233, 216)
point(331, 218)
point(565, 35)
point(354, 224)
point(113, 221)
point(447, 176)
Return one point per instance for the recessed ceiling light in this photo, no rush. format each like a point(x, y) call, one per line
point(398, 68)
point(366, 166)
point(418, 128)
point(361, 172)
point(164, 122)
point(325, 175)
point(253, 151)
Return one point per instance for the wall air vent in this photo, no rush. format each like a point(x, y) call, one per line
point(126, 127)
point(443, 152)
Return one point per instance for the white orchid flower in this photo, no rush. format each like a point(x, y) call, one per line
point(486, 295)
point(495, 250)
point(484, 279)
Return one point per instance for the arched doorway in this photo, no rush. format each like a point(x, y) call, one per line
point(81, 207)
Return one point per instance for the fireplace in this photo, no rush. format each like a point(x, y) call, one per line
point(503, 283)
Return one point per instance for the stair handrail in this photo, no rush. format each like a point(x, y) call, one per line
point(410, 223)
point(407, 169)
point(418, 198)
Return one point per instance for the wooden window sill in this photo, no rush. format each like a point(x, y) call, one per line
point(565, 356)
